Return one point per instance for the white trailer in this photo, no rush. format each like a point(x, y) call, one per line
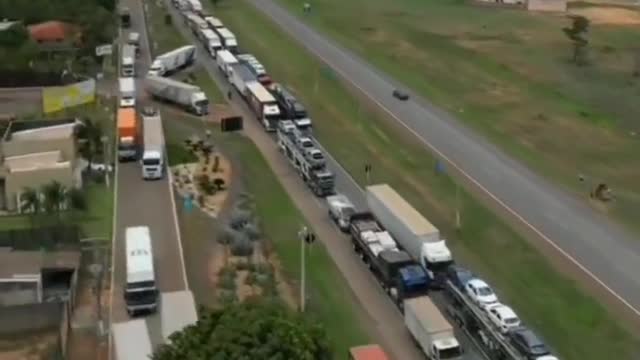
point(131, 340)
point(264, 105)
point(228, 39)
point(214, 23)
point(153, 136)
point(128, 62)
point(195, 6)
point(178, 310)
point(141, 292)
point(174, 60)
point(225, 59)
point(210, 40)
point(415, 234)
point(430, 329)
point(189, 97)
point(127, 92)
point(195, 22)
point(240, 77)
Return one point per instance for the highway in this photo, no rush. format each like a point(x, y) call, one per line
point(149, 203)
point(386, 319)
point(602, 250)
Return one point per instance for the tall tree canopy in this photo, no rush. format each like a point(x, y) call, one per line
point(253, 330)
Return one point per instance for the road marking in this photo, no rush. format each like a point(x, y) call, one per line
point(448, 160)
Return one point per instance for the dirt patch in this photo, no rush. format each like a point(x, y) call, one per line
point(29, 347)
point(198, 180)
point(609, 16)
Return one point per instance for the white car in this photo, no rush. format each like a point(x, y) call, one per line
point(503, 317)
point(480, 293)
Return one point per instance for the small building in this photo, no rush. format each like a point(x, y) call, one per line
point(547, 5)
point(54, 33)
point(6, 24)
point(35, 153)
point(33, 277)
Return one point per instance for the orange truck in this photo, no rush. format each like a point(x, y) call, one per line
point(128, 134)
point(368, 352)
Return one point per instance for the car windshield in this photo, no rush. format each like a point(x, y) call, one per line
point(485, 291)
point(511, 321)
point(539, 349)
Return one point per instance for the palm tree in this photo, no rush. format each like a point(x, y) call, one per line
point(54, 198)
point(76, 200)
point(90, 140)
point(29, 201)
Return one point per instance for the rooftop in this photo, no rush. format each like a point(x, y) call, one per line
point(35, 161)
point(51, 31)
point(6, 25)
point(14, 264)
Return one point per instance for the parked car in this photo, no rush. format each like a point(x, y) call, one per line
point(529, 344)
point(400, 95)
point(459, 276)
point(480, 293)
point(503, 317)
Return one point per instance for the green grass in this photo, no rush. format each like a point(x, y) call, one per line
point(178, 154)
point(574, 323)
point(508, 71)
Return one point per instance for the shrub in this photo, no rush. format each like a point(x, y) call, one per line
point(218, 183)
point(242, 246)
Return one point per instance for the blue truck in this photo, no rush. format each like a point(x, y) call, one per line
point(398, 274)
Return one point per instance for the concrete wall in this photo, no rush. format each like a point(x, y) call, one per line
point(16, 182)
point(32, 317)
point(18, 293)
point(21, 101)
point(66, 146)
point(547, 5)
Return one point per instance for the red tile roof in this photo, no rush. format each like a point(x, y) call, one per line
point(51, 31)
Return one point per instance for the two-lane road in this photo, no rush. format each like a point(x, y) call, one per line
point(146, 203)
point(606, 253)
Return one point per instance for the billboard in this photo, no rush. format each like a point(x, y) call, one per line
point(56, 98)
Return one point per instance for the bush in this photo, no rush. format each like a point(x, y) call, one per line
point(167, 19)
point(252, 231)
point(240, 218)
point(226, 297)
point(242, 246)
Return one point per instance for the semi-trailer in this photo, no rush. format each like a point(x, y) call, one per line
point(430, 329)
point(264, 105)
point(210, 41)
point(225, 59)
point(415, 234)
point(131, 340)
point(240, 77)
point(314, 173)
point(172, 61)
point(189, 97)
point(152, 161)
point(229, 40)
point(128, 139)
point(398, 274)
point(178, 311)
point(214, 23)
point(127, 92)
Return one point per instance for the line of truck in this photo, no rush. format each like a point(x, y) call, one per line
point(402, 249)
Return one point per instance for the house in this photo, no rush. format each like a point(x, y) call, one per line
point(54, 33)
point(35, 153)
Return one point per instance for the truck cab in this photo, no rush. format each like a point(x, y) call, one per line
point(152, 165)
point(436, 258)
point(134, 40)
point(157, 68)
point(200, 103)
point(322, 182)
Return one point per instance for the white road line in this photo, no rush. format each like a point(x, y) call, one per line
point(466, 175)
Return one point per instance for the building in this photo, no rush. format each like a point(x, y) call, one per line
point(35, 153)
point(547, 5)
point(54, 33)
point(33, 277)
point(6, 24)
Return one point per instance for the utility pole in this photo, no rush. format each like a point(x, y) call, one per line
point(106, 158)
point(457, 206)
point(306, 237)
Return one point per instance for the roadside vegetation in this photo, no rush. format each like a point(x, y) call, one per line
point(26, 63)
point(557, 92)
point(330, 302)
point(574, 323)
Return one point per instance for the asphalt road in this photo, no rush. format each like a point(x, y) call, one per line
point(147, 203)
point(386, 321)
point(607, 253)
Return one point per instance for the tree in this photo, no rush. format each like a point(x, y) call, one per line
point(14, 36)
point(90, 140)
point(76, 199)
point(577, 33)
point(30, 201)
point(54, 198)
point(256, 329)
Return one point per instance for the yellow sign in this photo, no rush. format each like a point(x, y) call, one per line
point(56, 98)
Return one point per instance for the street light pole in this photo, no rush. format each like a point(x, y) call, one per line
point(302, 235)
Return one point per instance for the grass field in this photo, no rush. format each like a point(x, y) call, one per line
point(507, 74)
point(280, 220)
point(573, 322)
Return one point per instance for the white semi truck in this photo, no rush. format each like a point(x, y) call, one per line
point(240, 77)
point(210, 40)
point(152, 161)
point(264, 105)
point(430, 329)
point(127, 92)
point(131, 340)
point(174, 60)
point(128, 61)
point(178, 310)
point(229, 40)
point(225, 59)
point(189, 97)
point(415, 234)
point(140, 292)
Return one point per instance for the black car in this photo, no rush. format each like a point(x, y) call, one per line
point(528, 343)
point(459, 276)
point(400, 95)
